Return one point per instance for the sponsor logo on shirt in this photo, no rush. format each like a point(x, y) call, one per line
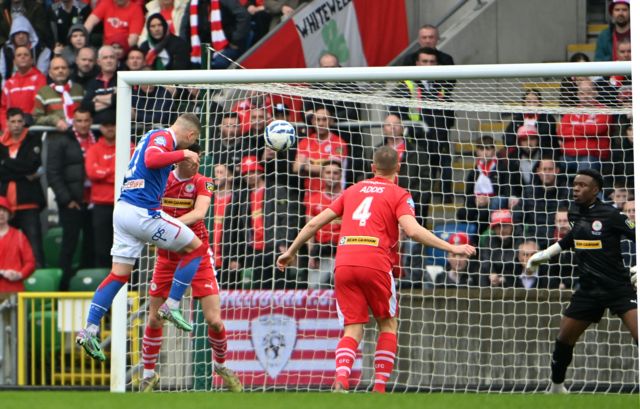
point(359, 241)
point(178, 203)
point(372, 189)
point(133, 184)
point(588, 244)
point(210, 187)
point(411, 203)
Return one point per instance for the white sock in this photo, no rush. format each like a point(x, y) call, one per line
point(148, 373)
point(173, 304)
point(92, 329)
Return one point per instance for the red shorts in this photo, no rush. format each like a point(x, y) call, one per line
point(204, 282)
point(359, 289)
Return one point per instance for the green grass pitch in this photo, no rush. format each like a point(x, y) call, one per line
point(105, 400)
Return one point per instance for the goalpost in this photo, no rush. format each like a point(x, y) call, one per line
point(479, 335)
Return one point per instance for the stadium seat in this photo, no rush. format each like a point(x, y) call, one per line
point(54, 273)
point(53, 243)
point(45, 334)
point(94, 273)
point(84, 283)
point(41, 283)
point(439, 257)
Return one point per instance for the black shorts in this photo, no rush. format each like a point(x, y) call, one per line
point(587, 307)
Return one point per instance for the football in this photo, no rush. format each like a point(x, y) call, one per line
point(280, 135)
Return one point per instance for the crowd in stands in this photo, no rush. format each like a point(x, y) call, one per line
point(59, 64)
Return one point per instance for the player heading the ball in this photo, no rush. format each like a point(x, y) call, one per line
point(138, 219)
point(367, 249)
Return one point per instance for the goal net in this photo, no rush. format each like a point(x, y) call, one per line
point(488, 161)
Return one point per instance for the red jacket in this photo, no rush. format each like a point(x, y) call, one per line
point(100, 165)
point(16, 255)
point(585, 135)
point(20, 91)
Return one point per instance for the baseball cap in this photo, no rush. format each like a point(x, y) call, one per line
point(4, 203)
point(526, 130)
point(458, 238)
point(614, 2)
point(250, 164)
point(501, 216)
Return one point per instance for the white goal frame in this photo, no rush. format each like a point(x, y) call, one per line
point(127, 79)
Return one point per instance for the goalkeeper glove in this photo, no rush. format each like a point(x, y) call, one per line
point(542, 256)
point(634, 276)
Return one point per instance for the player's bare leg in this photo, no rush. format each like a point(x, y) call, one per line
point(385, 352)
point(630, 320)
point(346, 356)
point(87, 338)
point(218, 342)
point(570, 330)
point(151, 343)
point(192, 254)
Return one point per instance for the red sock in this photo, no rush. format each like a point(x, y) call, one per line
point(384, 359)
point(151, 343)
point(218, 343)
point(345, 357)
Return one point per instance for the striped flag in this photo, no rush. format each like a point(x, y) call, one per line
point(285, 337)
point(359, 32)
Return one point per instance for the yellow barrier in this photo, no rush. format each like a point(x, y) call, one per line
point(47, 353)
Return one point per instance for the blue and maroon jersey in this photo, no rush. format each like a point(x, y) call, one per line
point(143, 187)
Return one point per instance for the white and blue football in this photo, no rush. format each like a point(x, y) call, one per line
point(280, 135)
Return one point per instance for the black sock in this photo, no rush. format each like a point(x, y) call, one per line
point(560, 360)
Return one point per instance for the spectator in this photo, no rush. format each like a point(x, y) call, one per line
point(523, 158)
point(438, 121)
point(280, 10)
point(563, 268)
point(100, 168)
point(134, 61)
point(262, 220)
point(17, 261)
point(85, 68)
point(527, 279)
point(122, 19)
point(254, 138)
point(153, 106)
point(56, 102)
point(19, 91)
point(100, 92)
point(120, 54)
point(323, 246)
point(31, 10)
point(20, 162)
point(620, 28)
point(429, 36)
point(229, 44)
point(228, 147)
point(487, 186)
point(22, 34)
point(568, 86)
point(316, 149)
point(222, 196)
point(260, 20)
point(460, 271)
point(77, 38)
point(541, 200)
point(622, 157)
point(172, 10)
point(620, 195)
point(585, 137)
point(543, 123)
point(66, 177)
point(498, 251)
point(63, 16)
point(628, 247)
point(164, 51)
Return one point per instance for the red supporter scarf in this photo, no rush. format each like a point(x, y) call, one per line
point(69, 107)
point(218, 39)
point(85, 141)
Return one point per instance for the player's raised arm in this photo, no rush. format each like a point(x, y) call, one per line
point(307, 232)
point(418, 233)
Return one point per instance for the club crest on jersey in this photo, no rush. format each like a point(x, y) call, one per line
point(210, 187)
point(160, 140)
point(596, 225)
point(273, 337)
point(411, 203)
point(189, 188)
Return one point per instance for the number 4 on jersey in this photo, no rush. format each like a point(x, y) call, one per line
point(362, 213)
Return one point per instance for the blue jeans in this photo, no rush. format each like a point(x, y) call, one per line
point(220, 63)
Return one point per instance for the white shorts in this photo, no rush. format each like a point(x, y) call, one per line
point(133, 227)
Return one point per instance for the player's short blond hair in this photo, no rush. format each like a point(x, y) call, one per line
point(189, 121)
point(385, 158)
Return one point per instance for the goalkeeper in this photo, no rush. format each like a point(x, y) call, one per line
point(604, 283)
